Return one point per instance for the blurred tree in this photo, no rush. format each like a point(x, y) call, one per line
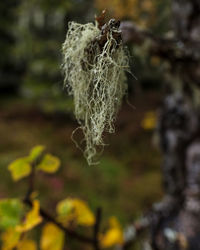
point(175, 224)
point(40, 31)
point(9, 70)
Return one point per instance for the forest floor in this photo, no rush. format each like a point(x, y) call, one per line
point(125, 183)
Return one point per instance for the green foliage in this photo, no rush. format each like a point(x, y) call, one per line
point(39, 33)
point(31, 219)
point(10, 238)
point(49, 164)
point(36, 153)
point(10, 213)
point(52, 238)
point(113, 235)
point(15, 221)
point(22, 167)
point(75, 211)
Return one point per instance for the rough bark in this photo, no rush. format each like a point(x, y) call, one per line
point(175, 223)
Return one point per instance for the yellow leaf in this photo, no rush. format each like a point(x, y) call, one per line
point(149, 121)
point(36, 152)
point(32, 218)
point(20, 168)
point(114, 234)
point(49, 164)
point(52, 238)
point(26, 245)
point(10, 239)
point(75, 210)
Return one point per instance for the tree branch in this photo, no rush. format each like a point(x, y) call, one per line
point(31, 179)
point(97, 228)
point(173, 50)
point(67, 231)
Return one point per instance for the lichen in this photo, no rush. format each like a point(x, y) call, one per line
point(95, 77)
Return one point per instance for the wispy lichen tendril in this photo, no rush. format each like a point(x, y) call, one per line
point(94, 76)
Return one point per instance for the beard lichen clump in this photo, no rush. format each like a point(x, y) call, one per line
point(94, 66)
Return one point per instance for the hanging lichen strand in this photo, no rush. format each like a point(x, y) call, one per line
point(94, 67)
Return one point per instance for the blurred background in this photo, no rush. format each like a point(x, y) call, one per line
point(36, 110)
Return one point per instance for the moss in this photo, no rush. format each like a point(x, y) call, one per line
point(95, 77)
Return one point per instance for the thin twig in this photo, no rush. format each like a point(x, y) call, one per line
point(31, 179)
point(67, 231)
point(135, 230)
point(43, 213)
point(97, 228)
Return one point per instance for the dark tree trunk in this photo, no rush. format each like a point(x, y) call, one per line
point(175, 221)
point(179, 128)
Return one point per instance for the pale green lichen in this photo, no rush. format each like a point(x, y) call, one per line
point(95, 78)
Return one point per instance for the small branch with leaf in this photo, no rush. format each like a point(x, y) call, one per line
point(71, 213)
